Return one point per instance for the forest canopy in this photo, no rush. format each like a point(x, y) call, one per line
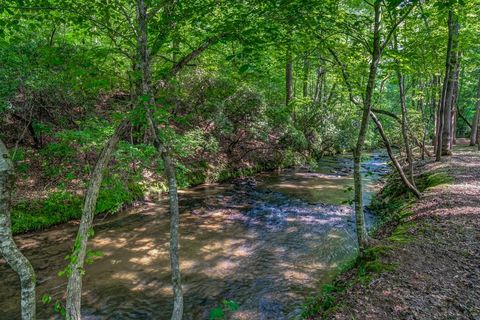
point(103, 103)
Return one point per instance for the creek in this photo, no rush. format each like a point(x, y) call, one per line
point(266, 243)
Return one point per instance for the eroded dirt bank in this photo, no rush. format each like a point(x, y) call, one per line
point(436, 264)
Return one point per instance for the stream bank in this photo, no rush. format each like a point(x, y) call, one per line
point(425, 263)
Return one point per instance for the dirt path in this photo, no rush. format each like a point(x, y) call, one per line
point(437, 274)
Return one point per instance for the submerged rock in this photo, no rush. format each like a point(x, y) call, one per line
point(248, 182)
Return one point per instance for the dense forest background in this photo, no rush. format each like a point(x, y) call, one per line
point(221, 88)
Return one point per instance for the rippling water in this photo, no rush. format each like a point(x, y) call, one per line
point(265, 246)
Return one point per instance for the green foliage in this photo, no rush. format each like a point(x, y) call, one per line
point(59, 207)
point(62, 206)
point(57, 306)
point(223, 310)
point(114, 194)
point(19, 158)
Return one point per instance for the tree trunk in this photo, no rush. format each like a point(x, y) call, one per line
point(362, 236)
point(445, 135)
point(77, 258)
point(306, 71)
point(478, 139)
point(403, 104)
point(436, 102)
point(318, 85)
point(456, 94)
point(288, 77)
point(147, 92)
point(8, 249)
point(397, 165)
point(473, 134)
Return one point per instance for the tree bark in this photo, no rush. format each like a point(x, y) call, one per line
point(436, 98)
point(306, 71)
point(456, 93)
point(405, 129)
point(473, 134)
point(362, 236)
point(319, 85)
point(77, 259)
point(394, 160)
point(288, 77)
point(148, 101)
point(444, 147)
point(403, 105)
point(8, 249)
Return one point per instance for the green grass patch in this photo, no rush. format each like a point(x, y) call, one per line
point(402, 233)
point(62, 206)
point(431, 180)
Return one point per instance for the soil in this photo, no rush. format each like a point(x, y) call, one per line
point(437, 273)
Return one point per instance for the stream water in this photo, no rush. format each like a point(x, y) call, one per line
point(266, 244)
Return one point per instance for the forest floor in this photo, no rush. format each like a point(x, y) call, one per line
point(436, 269)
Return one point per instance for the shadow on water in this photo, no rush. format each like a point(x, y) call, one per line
point(265, 245)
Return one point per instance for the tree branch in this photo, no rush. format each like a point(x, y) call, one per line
point(345, 77)
point(192, 55)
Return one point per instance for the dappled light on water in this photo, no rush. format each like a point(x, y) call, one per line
point(266, 247)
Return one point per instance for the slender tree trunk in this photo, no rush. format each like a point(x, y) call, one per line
point(453, 137)
point(8, 249)
point(318, 85)
point(403, 104)
point(143, 52)
point(288, 77)
point(425, 117)
point(436, 96)
point(478, 139)
point(473, 134)
point(397, 165)
point(362, 236)
point(456, 94)
point(306, 72)
point(77, 258)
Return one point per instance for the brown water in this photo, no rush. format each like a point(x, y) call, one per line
point(267, 247)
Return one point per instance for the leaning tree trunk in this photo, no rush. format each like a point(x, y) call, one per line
point(397, 165)
point(473, 134)
point(147, 91)
point(8, 248)
point(75, 269)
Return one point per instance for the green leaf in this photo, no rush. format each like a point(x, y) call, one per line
point(46, 299)
point(230, 305)
point(244, 68)
point(216, 313)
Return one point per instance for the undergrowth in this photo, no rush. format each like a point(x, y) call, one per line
point(62, 206)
